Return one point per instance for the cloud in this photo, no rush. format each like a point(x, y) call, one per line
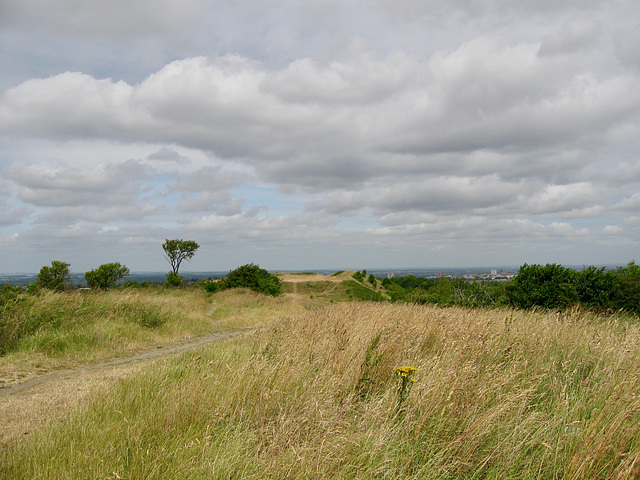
point(12, 215)
point(630, 204)
point(561, 198)
point(476, 229)
point(627, 45)
point(220, 202)
point(56, 185)
point(612, 230)
point(100, 214)
point(166, 154)
point(211, 178)
point(115, 18)
point(423, 194)
point(478, 97)
point(575, 35)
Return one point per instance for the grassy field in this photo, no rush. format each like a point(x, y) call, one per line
point(313, 392)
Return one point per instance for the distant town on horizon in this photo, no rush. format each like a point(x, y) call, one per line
point(497, 273)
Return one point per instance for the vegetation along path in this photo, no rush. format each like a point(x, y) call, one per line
point(44, 395)
point(158, 351)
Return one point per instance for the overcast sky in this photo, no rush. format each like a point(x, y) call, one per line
point(319, 134)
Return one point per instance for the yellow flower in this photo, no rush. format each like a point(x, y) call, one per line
point(405, 371)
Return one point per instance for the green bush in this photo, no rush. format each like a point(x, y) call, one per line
point(173, 280)
point(9, 294)
point(396, 292)
point(551, 286)
point(442, 293)
point(628, 282)
point(106, 276)
point(270, 285)
point(411, 282)
point(596, 288)
point(213, 287)
point(250, 276)
point(56, 277)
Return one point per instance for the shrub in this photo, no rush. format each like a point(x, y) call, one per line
point(9, 294)
point(628, 280)
point(551, 286)
point(596, 288)
point(396, 292)
point(173, 280)
point(359, 276)
point(56, 277)
point(442, 293)
point(253, 277)
point(213, 287)
point(106, 276)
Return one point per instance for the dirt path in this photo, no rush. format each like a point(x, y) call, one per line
point(27, 405)
point(156, 352)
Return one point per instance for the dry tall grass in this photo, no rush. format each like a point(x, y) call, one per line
point(499, 394)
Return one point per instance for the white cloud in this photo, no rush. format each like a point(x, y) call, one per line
point(630, 204)
point(48, 184)
point(476, 98)
point(612, 230)
point(561, 198)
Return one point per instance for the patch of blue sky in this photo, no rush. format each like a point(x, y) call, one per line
point(276, 202)
point(157, 191)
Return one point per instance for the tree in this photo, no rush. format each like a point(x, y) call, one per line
point(56, 277)
point(106, 276)
point(177, 251)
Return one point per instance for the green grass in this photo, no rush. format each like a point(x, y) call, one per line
point(499, 394)
point(53, 331)
point(358, 291)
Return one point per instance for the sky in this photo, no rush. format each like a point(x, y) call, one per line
point(319, 134)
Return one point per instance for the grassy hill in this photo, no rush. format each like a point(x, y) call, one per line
point(313, 391)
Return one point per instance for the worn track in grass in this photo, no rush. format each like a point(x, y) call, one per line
point(158, 351)
point(27, 405)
